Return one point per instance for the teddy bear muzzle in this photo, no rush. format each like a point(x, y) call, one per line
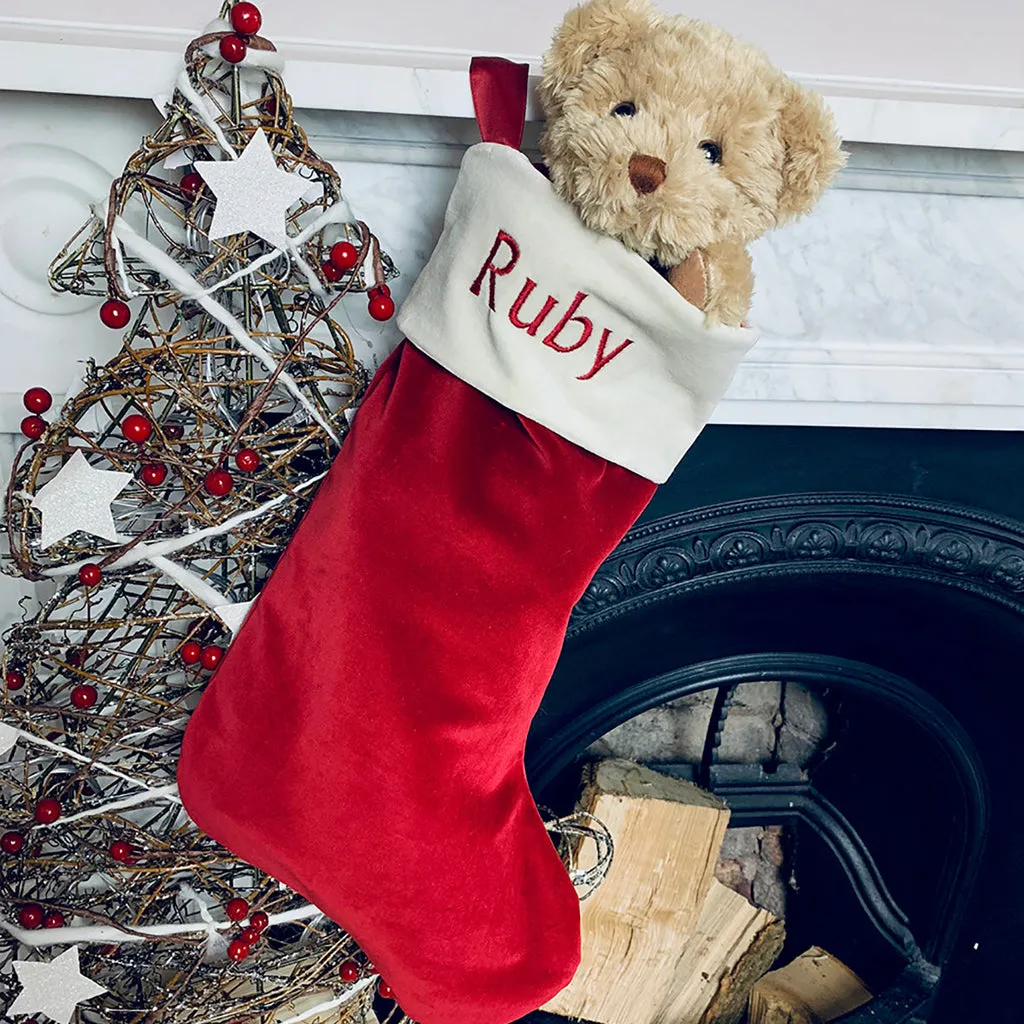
point(646, 173)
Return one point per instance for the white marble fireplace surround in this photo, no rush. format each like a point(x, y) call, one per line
point(898, 303)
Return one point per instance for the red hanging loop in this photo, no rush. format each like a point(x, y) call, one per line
point(499, 88)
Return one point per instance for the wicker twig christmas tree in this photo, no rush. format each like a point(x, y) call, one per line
point(154, 506)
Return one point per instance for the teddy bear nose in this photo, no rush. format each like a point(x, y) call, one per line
point(646, 173)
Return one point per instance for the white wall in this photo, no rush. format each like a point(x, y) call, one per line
point(974, 43)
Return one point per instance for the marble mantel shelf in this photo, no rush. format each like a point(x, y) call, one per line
point(898, 303)
point(38, 55)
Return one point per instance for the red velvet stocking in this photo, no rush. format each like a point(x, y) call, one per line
point(383, 685)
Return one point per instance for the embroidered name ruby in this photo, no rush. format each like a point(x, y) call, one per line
point(500, 262)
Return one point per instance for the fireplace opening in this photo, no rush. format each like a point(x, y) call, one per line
point(896, 626)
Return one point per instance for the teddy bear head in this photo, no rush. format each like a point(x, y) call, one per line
point(672, 135)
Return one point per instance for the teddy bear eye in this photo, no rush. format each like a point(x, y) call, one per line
point(712, 150)
point(627, 109)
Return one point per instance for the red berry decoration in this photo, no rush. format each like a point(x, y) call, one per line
point(154, 474)
point(47, 811)
point(136, 428)
point(191, 652)
point(55, 919)
point(174, 431)
point(382, 306)
point(246, 18)
point(84, 697)
point(250, 936)
point(37, 400)
point(344, 255)
point(218, 483)
point(115, 314)
point(247, 460)
point(120, 851)
point(232, 49)
point(12, 842)
point(210, 658)
point(349, 971)
point(259, 920)
point(33, 427)
point(237, 909)
point(384, 990)
point(191, 184)
point(15, 680)
point(237, 950)
point(331, 273)
point(30, 915)
point(90, 574)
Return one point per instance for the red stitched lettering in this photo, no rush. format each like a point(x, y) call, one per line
point(492, 270)
point(601, 360)
point(567, 318)
point(517, 307)
point(502, 237)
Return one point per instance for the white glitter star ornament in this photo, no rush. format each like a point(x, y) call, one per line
point(55, 988)
point(8, 738)
point(253, 193)
point(78, 498)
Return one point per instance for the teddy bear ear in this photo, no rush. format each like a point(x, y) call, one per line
point(588, 31)
point(813, 153)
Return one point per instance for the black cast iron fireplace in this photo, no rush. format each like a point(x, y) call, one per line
point(885, 571)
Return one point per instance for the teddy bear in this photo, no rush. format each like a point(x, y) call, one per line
point(681, 141)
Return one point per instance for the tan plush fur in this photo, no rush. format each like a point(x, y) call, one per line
point(644, 178)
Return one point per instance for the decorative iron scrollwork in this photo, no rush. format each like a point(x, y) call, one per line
point(944, 544)
point(662, 568)
point(885, 542)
